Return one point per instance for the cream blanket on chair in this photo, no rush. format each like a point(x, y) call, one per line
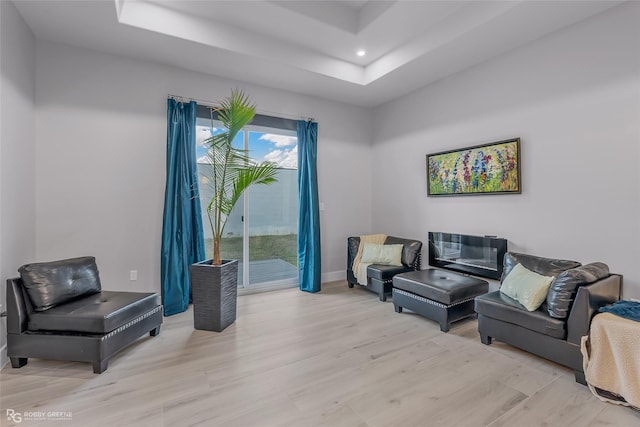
point(611, 358)
point(360, 268)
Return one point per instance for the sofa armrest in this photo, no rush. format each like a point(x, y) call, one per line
point(18, 307)
point(353, 243)
point(588, 300)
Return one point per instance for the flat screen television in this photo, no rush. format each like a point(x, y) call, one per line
point(476, 255)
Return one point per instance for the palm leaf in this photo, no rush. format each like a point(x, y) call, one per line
point(264, 173)
point(232, 171)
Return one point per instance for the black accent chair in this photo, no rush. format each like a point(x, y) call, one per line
point(554, 330)
point(380, 277)
point(57, 310)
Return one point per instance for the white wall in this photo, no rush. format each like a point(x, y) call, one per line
point(17, 150)
point(574, 100)
point(101, 126)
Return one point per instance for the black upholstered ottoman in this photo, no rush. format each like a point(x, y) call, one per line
point(438, 295)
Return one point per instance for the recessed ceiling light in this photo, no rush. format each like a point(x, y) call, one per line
point(361, 52)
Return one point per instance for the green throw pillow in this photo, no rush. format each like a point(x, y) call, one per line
point(382, 254)
point(527, 287)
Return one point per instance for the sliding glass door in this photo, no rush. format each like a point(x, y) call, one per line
point(261, 232)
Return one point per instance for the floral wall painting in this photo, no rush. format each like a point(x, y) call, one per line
point(482, 169)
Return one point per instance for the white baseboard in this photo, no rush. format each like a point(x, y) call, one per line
point(333, 276)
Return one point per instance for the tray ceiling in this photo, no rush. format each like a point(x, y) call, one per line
point(309, 46)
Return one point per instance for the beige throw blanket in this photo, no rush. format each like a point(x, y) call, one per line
point(360, 268)
point(611, 358)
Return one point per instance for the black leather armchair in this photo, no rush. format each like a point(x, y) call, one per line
point(380, 277)
point(556, 337)
point(57, 310)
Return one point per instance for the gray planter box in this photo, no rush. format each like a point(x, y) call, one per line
point(214, 291)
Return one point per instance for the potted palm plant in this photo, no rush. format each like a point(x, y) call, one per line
point(214, 282)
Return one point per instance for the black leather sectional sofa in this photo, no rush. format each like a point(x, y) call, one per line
point(555, 329)
point(380, 277)
point(58, 310)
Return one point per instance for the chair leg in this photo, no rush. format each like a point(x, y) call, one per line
point(101, 366)
point(383, 296)
point(397, 308)
point(444, 326)
point(485, 339)
point(18, 362)
point(155, 332)
point(350, 284)
point(580, 378)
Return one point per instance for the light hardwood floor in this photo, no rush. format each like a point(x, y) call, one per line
point(336, 358)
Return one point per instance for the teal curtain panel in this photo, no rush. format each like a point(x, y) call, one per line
point(309, 211)
point(182, 232)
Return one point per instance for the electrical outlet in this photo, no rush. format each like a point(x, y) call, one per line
point(133, 275)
